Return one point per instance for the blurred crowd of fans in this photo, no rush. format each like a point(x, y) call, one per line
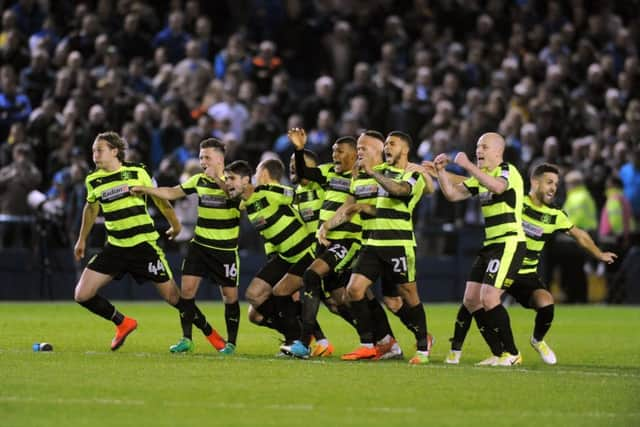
point(559, 79)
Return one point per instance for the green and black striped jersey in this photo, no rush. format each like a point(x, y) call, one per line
point(270, 209)
point(127, 220)
point(337, 189)
point(539, 224)
point(308, 200)
point(502, 212)
point(218, 224)
point(365, 188)
point(393, 224)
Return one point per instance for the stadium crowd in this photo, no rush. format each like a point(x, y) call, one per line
point(560, 80)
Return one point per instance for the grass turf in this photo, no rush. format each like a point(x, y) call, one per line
point(83, 383)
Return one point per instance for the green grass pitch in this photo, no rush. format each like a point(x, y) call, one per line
point(83, 383)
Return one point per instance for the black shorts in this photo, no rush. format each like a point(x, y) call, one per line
point(276, 268)
point(145, 261)
point(220, 266)
point(498, 264)
point(523, 287)
point(394, 265)
point(340, 254)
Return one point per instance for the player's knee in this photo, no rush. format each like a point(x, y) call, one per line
point(542, 298)
point(393, 303)
point(312, 280)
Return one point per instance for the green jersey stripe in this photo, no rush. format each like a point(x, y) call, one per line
point(499, 219)
point(392, 214)
point(125, 213)
point(390, 235)
point(301, 247)
point(131, 232)
point(102, 180)
point(218, 223)
point(288, 231)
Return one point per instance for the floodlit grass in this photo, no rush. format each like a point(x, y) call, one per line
point(83, 383)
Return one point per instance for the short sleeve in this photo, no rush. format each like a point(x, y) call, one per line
point(189, 186)
point(472, 185)
point(91, 194)
point(416, 181)
point(563, 222)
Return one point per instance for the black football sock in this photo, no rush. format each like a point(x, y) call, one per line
point(363, 316)
point(403, 314)
point(103, 308)
point(544, 317)
point(463, 323)
point(310, 298)
point(498, 318)
point(269, 318)
point(345, 312)
point(200, 321)
point(418, 320)
point(286, 312)
point(489, 335)
point(186, 308)
point(380, 327)
point(232, 319)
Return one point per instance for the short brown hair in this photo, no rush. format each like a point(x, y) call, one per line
point(115, 141)
point(214, 143)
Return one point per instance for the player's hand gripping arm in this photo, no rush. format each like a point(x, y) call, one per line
point(453, 191)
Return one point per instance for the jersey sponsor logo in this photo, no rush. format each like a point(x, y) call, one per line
point(370, 190)
point(339, 184)
point(485, 197)
point(115, 192)
point(382, 192)
point(532, 230)
point(212, 201)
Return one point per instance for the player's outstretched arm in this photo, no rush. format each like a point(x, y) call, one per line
point(491, 183)
point(453, 190)
point(89, 215)
point(165, 193)
point(585, 241)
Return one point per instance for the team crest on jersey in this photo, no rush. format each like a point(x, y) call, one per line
point(532, 230)
point(288, 192)
point(114, 193)
point(339, 184)
point(545, 219)
point(126, 175)
point(212, 201)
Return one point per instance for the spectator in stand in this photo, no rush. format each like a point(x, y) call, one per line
point(264, 66)
point(36, 78)
point(191, 147)
point(14, 105)
point(173, 37)
point(261, 132)
point(15, 51)
point(230, 109)
point(630, 176)
point(195, 73)
point(323, 99)
point(233, 53)
point(17, 180)
point(131, 41)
